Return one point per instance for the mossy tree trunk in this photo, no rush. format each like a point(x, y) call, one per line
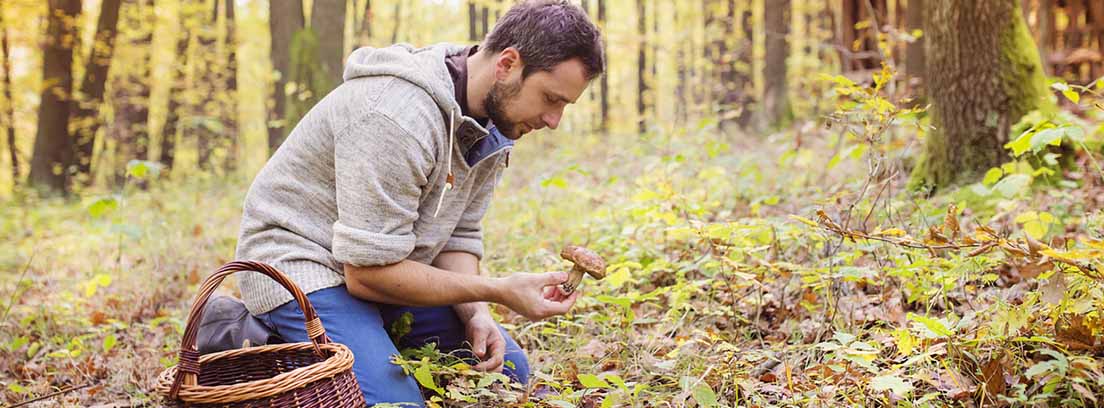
point(307, 78)
point(983, 74)
point(328, 23)
point(84, 111)
point(285, 19)
point(777, 112)
point(53, 146)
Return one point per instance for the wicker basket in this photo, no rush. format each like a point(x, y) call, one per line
point(315, 374)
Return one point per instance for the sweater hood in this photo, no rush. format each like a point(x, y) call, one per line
point(424, 67)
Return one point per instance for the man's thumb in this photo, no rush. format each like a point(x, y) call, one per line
point(479, 347)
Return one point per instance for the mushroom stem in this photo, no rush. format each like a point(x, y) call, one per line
point(573, 279)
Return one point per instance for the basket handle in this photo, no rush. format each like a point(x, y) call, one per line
point(188, 367)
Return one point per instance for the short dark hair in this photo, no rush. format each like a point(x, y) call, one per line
point(546, 33)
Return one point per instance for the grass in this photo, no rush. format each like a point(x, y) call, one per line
point(717, 295)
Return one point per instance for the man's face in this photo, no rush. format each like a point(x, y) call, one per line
point(518, 106)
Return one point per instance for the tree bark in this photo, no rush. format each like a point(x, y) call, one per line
point(85, 109)
point(641, 66)
point(743, 82)
point(1046, 31)
point(486, 20)
point(681, 111)
point(398, 22)
point(776, 103)
point(328, 22)
point(53, 148)
point(285, 19)
point(364, 31)
point(984, 63)
point(733, 61)
point(206, 131)
point(130, 95)
point(653, 78)
point(604, 81)
point(230, 113)
point(178, 88)
point(473, 18)
point(914, 52)
point(9, 107)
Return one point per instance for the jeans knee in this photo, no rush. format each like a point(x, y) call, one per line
point(520, 370)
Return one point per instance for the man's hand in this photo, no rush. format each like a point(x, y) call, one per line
point(486, 342)
point(527, 294)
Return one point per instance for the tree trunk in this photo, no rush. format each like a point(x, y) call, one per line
point(328, 22)
point(776, 104)
point(309, 82)
point(178, 88)
point(653, 78)
point(53, 148)
point(85, 109)
point(486, 20)
point(604, 81)
point(1046, 31)
point(364, 31)
point(285, 19)
point(398, 22)
point(734, 60)
point(9, 107)
point(641, 66)
point(130, 95)
point(473, 25)
point(230, 112)
point(681, 114)
point(743, 82)
point(914, 52)
point(142, 81)
point(982, 59)
point(206, 131)
point(709, 54)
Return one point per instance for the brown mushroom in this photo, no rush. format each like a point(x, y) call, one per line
point(586, 263)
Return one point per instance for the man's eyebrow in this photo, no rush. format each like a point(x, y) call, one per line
point(560, 97)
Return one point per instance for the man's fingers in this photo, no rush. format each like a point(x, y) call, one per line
point(554, 278)
point(479, 346)
point(568, 302)
point(552, 293)
point(562, 306)
point(495, 356)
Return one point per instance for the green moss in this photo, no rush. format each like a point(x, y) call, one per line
point(1024, 80)
point(307, 79)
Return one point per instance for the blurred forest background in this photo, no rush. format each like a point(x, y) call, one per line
point(864, 202)
point(198, 86)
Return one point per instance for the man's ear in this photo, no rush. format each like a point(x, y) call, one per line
point(508, 61)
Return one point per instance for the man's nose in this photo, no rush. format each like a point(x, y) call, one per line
point(552, 120)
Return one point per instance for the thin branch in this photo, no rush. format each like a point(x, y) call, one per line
point(51, 395)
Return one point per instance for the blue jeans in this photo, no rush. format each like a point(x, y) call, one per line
point(362, 326)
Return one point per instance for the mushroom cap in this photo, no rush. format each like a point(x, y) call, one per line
point(585, 259)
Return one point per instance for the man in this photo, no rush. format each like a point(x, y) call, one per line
point(373, 205)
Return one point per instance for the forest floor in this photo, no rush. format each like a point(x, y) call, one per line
point(789, 269)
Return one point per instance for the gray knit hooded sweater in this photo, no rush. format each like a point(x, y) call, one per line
point(361, 179)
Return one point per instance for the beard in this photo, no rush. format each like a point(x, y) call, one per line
point(495, 106)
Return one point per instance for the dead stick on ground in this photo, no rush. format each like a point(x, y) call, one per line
point(51, 395)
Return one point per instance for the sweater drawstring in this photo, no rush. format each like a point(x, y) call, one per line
point(448, 164)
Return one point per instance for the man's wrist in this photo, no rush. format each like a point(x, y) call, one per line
point(471, 310)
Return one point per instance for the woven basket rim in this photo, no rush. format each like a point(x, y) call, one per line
point(332, 366)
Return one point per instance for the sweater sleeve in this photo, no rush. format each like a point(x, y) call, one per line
point(468, 234)
point(379, 172)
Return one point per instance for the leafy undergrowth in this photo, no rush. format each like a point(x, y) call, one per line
point(778, 270)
